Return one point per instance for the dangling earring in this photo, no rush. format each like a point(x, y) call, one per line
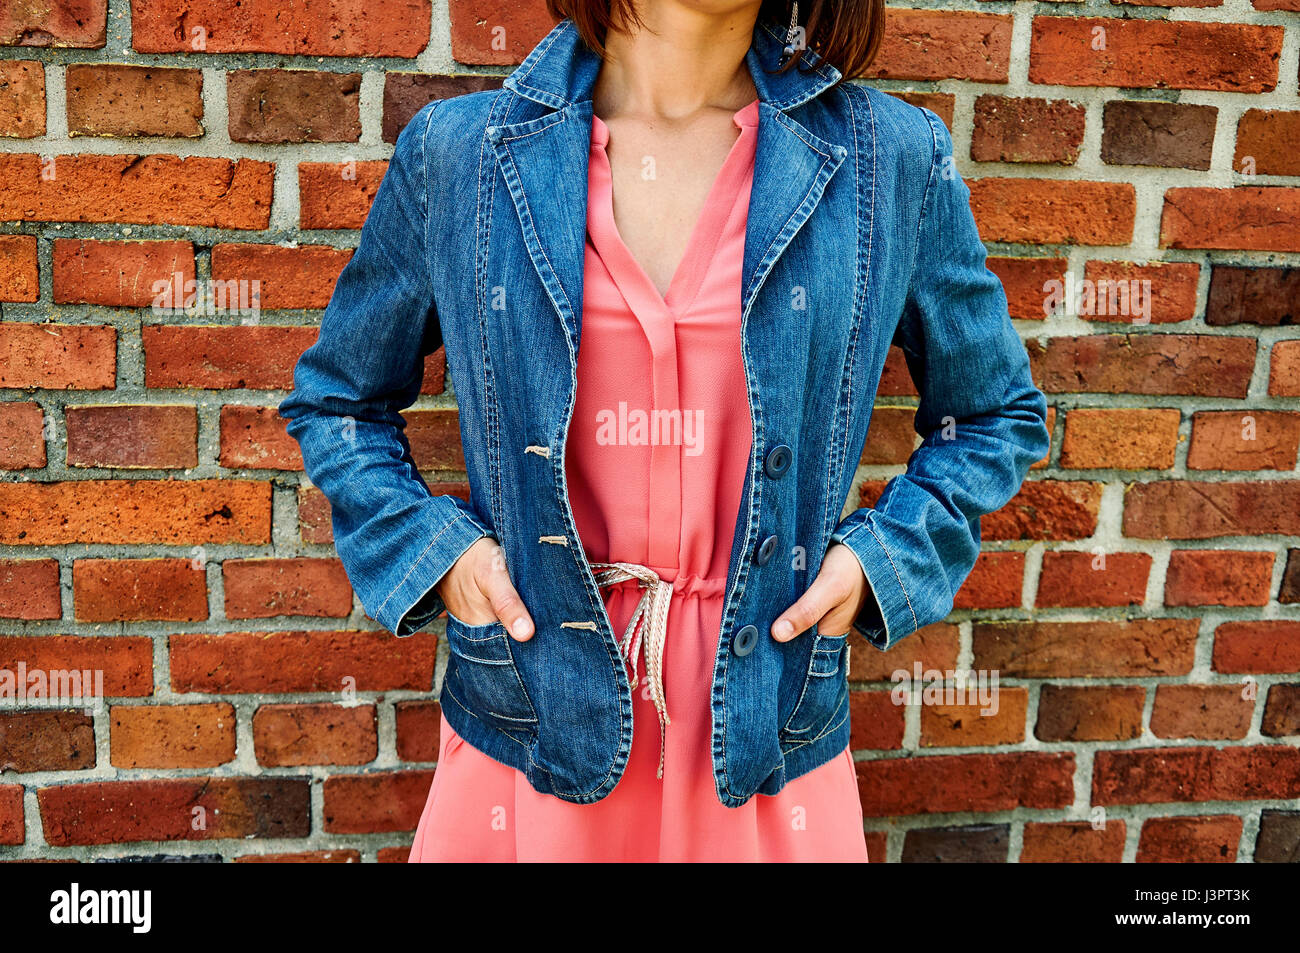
point(790, 33)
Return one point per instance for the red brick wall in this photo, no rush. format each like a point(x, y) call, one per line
point(1138, 599)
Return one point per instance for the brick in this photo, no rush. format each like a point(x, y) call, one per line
point(173, 512)
point(1075, 842)
point(393, 855)
point(1169, 135)
point(1263, 647)
point(22, 436)
point(1121, 438)
point(1051, 433)
point(933, 647)
point(58, 356)
point(12, 823)
point(255, 438)
point(280, 105)
point(114, 812)
point(1090, 578)
point(419, 729)
point(223, 357)
point(1246, 295)
point(1278, 841)
point(1133, 648)
point(152, 436)
point(138, 190)
point(308, 28)
point(1165, 292)
point(19, 271)
point(67, 23)
point(46, 740)
point(1244, 440)
point(434, 436)
point(977, 724)
point(944, 44)
point(299, 277)
point(895, 379)
point(1254, 219)
point(1186, 774)
point(1198, 365)
point(118, 274)
point(1090, 712)
point(337, 194)
point(1025, 281)
point(311, 661)
point(941, 784)
point(1046, 509)
point(22, 98)
point(1266, 141)
point(995, 582)
point(1159, 54)
point(877, 722)
point(29, 589)
point(484, 32)
point(1053, 211)
point(1197, 840)
point(374, 803)
point(265, 588)
point(304, 857)
point(1284, 369)
point(292, 735)
point(1224, 577)
point(1204, 712)
point(1289, 590)
point(314, 519)
point(877, 844)
point(1187, 509)
point(124, 663)
point(1012, 129)
point(891, 437)
point(405, 94)
point(971, 844)
point(132, 590)
point(172, 736)
point(105, 99)
point(1281, 712)
point(941, 104)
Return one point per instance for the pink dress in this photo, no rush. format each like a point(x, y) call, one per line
point(666, 498)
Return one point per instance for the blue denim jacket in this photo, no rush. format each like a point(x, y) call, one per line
point(859, 235)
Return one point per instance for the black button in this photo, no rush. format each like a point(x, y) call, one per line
point(745, 640)
point(778, 461)
point(766, 550)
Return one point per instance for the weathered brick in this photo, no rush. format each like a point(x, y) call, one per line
point(123, 662)
point(1197, 840)
point(1130, 649)
point(941, 104)
point(304, 857)
point(1122, 438)
point(484, 32)
point(944, 44)
point(995, 582)
point(1182, 774)
point(19, 271)
point(1075, 842)
point(1165, 292)
point(942, 784)
point(435, 439)
point(1090, 712)
point(1172, 135)
point(281, 105)
point(174, 512)
point(12, 823)
point(1278, 841)
point(877, 723)
point(67, 23)
point(1205, 712)
point(1053, 211)
point(313, 661)
point(891, 438)
point(1281, 712)
point(58, 356)
point(1188, 509)
point(1224, 577)
point(172, 736)
point(291, 735)
point(29, 589)
point(1090, 578)
point(1003, 723)
point(255, 438)
point(372, 803)
point(1255, 219)
point(106, 99)
point(22, 98)
point(1012, 129)
point(1289, 590)
point(1161, 54)
point(131, 590)
point(155, 436)
point(1265, 647)
point(1046, 509)
point(970, 844)
point(22, 436)
point(405, 94)
point(1026, 282)
point(223, 357)
point(301, 277)
point(1284, 369)
point(337, 194)
point(933, 647)
point(1266, 141)
point(118, 274)
point(1199, 365)
point(1244, 440)
point(265, 588)
point(418, 728)
point(1246, 295)
point(46, 740)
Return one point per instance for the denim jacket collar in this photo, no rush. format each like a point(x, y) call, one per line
point(561, 70)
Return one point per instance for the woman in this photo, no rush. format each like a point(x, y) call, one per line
point(667, 261)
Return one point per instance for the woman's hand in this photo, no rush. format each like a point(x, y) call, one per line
point(833, 600)
point(477, 590)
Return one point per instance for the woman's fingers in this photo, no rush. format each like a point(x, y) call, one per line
point(495, 585)
point(830, 603)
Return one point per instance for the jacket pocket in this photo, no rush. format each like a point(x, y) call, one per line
point(823, 703)
point(482, 677)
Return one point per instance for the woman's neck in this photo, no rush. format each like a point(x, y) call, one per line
point(691, 61)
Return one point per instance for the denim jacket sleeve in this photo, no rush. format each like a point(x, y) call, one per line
point(980, 417)
point(395, 539)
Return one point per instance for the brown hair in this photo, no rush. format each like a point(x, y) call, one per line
point(844, 33)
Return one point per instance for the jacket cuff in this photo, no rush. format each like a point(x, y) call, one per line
point(887, 615)
point(415, 602)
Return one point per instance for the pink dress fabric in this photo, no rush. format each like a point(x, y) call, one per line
point(670, 505)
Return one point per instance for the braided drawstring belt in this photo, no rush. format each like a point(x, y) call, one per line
point(649, 625)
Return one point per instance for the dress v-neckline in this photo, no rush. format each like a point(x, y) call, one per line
point(688, 276)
